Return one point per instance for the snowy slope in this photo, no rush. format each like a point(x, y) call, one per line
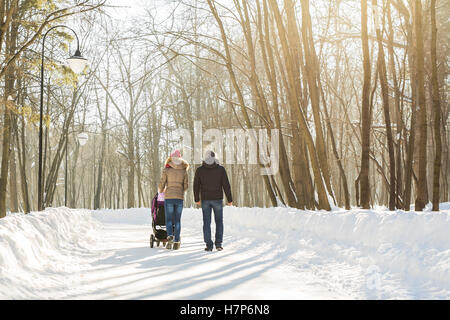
point(39, 249)
point(276, 253)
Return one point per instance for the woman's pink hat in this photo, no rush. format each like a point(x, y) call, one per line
point(176, 154)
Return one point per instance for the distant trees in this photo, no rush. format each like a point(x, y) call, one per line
point(31, 18)
point(274, 57)
point(134, 80)
point(356, 89)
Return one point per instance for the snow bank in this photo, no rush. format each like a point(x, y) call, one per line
point(41, 241)
point(367, 228)
point(415, 245)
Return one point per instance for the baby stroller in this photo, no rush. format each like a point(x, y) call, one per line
point(158, 222)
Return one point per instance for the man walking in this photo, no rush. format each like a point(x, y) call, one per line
point(210, 182)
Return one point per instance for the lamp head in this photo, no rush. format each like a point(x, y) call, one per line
point(83, 138)
point(77, 63)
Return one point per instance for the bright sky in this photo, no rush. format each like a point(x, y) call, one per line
point(127, 8)
point(133, 8)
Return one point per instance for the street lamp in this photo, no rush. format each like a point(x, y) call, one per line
point(83, 138)
point(77, 63)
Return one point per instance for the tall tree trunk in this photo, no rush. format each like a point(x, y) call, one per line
point(312, 76)
point(301, 173)
point(21, 152)
point(11, 44)
point(337, 156)
point(294, 102)
point(101, 160)
point(387, 118)
point(5, 151)
point(73, 189)
point(100, 181)
point(13, 199)
point(436, 109)
point(138, 169)
point(398, 111)
point(409, 170)
point(421, 198)
point(262, 105)
point(363, 178)
point(131, 167)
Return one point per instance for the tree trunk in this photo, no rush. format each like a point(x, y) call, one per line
point(11, 44)
point(22, 157)
point(13, 199)
point(294, 102)
point(5, 152)
point(421, 198)
point(131, 168)
point(387, 118)
point(312, 76)
point(398, 111)
point(409, 170)
point(363, 178)
point(436, 109)
point(263, 108)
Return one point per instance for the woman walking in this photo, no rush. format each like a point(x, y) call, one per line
point(174, 183)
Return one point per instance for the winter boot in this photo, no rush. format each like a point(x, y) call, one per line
point(169, 242)
point(176, 245)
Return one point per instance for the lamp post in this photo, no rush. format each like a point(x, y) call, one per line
point(77, 63)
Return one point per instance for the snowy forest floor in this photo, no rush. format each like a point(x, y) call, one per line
point(276, 253)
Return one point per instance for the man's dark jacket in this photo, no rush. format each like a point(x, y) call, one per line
point(210, 182)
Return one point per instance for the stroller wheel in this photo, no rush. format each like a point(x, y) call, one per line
point(152, 239)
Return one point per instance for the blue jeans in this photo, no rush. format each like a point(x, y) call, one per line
point(173, 209)
point(207, 207)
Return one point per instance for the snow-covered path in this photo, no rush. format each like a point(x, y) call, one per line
point(126, 268)
point(269, 254)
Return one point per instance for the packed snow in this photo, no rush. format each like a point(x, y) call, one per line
point(273, 253)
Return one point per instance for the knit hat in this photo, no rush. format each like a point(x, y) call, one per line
point(210, 157)
point(176, 154)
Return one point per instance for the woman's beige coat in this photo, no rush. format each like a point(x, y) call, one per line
point(174, 179)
